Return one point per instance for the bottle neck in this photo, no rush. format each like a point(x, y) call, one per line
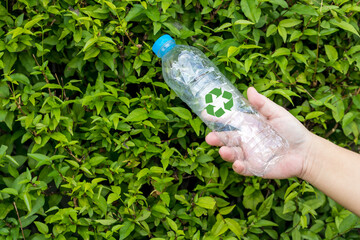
point(165, 48)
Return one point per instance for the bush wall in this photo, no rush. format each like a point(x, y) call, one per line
point(94, 145)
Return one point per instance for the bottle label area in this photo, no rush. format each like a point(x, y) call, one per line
point(218, 102)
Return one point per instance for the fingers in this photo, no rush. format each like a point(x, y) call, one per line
point(231, 154)
point(265, 106)
point(213, 139)
point(236, 156)
point(240, 168)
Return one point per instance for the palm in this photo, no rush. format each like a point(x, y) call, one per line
point(296, 134)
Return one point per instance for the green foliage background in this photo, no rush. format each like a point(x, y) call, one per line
point(94, 145)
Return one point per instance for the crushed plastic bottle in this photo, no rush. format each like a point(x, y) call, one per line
point(200, 84)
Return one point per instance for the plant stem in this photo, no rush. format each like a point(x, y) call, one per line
point(17, 212)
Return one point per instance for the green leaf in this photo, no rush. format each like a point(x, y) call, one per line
point(289, 207)
point(314, 114)
point(3, 149)
point(106, 222)
point(138, 114)
point(219, 228)
point(283, 33)
point(226, 210)
point(271, 30)
point(265, 207)
point(295, 35)
point(249, 46)
point(304, 10)
point(344, 25)
point(144, 214)
point(295, 234)
point(9, 191)
point(348, 223)
point(19, 77)
point(165, 156)
point(157, 27)
point(111, 5)
point(42, 227)
point(27, 200)
point(224, 172)
point(281, 52)
point(126, 230)
point(283, 92)
point(196, 125)
point(353, 50)
point(206, 202)
point(91, 53)
point(9, 119)
point(59, 137)
point(94, 161)
point(181, 112)
point(134, 12)
point(7, 207)
point(26, 221)
point(39, 203)
point(339, 108)
point(222, 27)
point(107, 58)
point(34, 21)
point(4, 91)
point(348, 118)
point(204, 158)
point(12, 160)
point(303, 221)
point(153, 13)
point(232, 51)
point(39, 157)
point(252, 200)
point(282, 3)
point(173, 28)
point(331, 53)
point(89, 43)
point(156, 114)
point(299, 57)
point(161, 209)
point(288, 23)
point(78, 35)
point(234, 226)
point(265, 223)
point(172, 224)
point(19, 20)
point(165, 4)
point(290, 188)
point(112, 198)
point(251, 10)
point(162, 85)
point(243, 22)
point(291, 196)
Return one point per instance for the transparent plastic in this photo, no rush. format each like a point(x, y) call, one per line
point(200, 84)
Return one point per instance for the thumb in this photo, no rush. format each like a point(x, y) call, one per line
point(263, 105)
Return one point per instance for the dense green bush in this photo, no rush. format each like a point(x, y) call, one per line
point(94, 145)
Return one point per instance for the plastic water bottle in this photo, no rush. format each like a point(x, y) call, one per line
point(200, 84)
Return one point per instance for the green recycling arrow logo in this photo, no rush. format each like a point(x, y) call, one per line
point(219, 95)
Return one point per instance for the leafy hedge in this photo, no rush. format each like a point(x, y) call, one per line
point(94, 145)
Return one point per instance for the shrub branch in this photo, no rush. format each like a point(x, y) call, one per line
point(17, 212)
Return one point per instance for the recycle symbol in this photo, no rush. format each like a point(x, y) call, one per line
point(217, 92)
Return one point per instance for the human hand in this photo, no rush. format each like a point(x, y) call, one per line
point(292, 163)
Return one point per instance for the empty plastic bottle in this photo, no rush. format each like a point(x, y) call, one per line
point(200, 84)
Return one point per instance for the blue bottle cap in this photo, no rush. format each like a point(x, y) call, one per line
point(163, 45)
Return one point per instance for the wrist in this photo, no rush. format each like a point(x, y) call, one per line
point(311, 161)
